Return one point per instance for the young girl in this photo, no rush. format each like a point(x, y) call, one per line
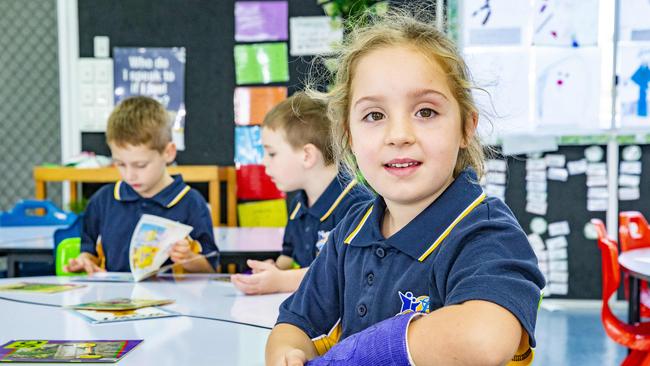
point(432, 272)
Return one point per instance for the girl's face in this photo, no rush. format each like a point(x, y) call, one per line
point(405, 125)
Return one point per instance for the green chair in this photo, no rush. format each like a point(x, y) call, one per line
point(67, 249)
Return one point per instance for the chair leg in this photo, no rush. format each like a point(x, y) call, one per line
point(637, 358)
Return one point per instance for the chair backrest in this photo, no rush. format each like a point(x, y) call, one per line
point(67, 249)
point(26, 213)
point(630, 336)
point(633, 230)
point(72, 231)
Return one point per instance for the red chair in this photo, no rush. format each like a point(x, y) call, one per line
point(634, 233)
point(636, 337)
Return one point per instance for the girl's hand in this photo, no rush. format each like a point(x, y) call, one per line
point(266, 278)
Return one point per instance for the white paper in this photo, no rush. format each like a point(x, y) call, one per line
point(558, 228)
point(543, 266)
point(568, 23)
point(536, 242)
point(558, 288)
point(566, 89)
point(495, 22)
point(536, 176)
point(151, 242)
point(536, 197)
point(633, 77)
point(496, 190)
point(594, 153)
point(629, 194)
point(496, 178)
point(597, 181)
point(95, 93)
point(314, 35)
point(597, 169)
point(556, 254)
point(502, 93)
point(577, 166)
point(555, 160)
point(633, 20)
point(496, 165)
point(556, 243)
point(630, 167)
point(542, 255)
point(559, 174)
point(559, 277)
point(632, 153)
point(536, 187)
point(536, 164)
point(536, 208)
point(525, 144)
point(538, 225)
point(560, 265)
point(595, 205)
point(628, 180)
point(598, 192)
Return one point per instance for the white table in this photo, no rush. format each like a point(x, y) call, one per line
point(36, 244)
point(218, 326)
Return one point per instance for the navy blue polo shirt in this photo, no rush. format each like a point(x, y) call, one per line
point(462, 247)
point(114, 211)
point(309, 227)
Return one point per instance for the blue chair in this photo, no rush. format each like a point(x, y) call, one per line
point(24, 214)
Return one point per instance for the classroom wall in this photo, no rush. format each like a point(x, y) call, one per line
point(206, 29)
point(29, 107)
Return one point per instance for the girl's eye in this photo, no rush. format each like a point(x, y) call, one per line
point(270, 155)
point(373, 116)
point(426, 113)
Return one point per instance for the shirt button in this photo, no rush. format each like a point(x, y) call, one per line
point(371, 278)
point(381, 253)
point(362, 310)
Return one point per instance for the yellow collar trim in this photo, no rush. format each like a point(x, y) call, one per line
point(295, 211)
point(179, 196)
point(339, 199)
point(116, 190)
point(359, 226)
point(442, 236)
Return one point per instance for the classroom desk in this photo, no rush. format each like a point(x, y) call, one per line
point(218, 326)
point(26, 244)
point(36, 244)
point(636, 263)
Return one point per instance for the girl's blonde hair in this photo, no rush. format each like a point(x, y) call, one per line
point(398, 28)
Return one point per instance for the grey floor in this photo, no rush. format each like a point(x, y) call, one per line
point(572, 334)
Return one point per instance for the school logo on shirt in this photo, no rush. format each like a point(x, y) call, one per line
point(411, 303)
point(322, 239)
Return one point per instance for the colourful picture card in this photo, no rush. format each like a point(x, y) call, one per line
point(271, 213)
point(254, 184)
point(261, 21)
point(253, 103)
point(261, 63)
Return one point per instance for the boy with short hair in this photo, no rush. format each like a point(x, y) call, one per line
point(298, 157)
point(139, 136)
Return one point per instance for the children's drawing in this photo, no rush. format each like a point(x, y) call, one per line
point(495, 22)
point(567, 88)
point(565, 23)
point(634, 80)
point(633, 20)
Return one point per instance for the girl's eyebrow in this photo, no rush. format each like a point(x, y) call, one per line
point(426, 92)
point(367, 99)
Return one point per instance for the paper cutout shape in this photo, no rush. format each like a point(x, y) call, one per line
point(261, 21)
point(253, 103)
point(248, 145)
point(261, 63)
point(272, 213)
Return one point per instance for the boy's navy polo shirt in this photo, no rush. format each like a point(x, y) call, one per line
point(462, 247)
point(309, 227)
point(114, 211)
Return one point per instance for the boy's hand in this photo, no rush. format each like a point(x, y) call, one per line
point(181, 251)
point(85, 262)
point(266, 279)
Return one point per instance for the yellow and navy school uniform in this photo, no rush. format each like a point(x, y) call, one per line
point(114, 211)
point(462, 247)
point(309, 227)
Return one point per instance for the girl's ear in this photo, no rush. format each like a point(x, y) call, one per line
point(311, 156)
point(170, 152)
point(470, 125)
